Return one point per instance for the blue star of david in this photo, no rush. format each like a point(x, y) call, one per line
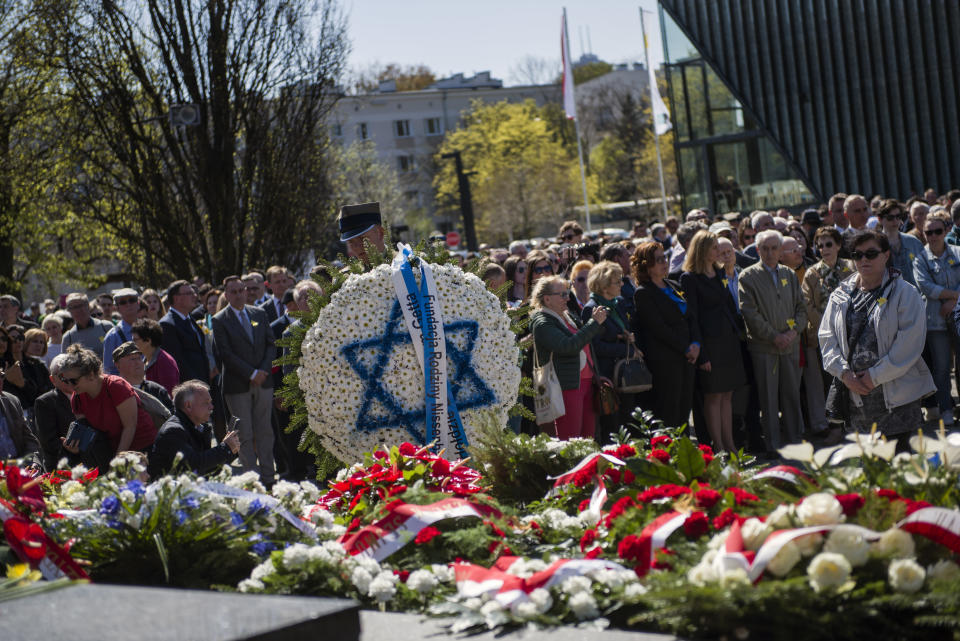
point(469, 389)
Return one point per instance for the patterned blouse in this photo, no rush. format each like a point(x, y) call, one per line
point(818, 283)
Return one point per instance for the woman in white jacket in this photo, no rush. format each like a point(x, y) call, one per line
point(871, 336)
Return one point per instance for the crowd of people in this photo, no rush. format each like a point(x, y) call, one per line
point(758, 330)
point(764, 331)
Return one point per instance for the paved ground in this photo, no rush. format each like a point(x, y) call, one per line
point(377, 626)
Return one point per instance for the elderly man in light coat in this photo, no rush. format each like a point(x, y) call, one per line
point(772, 306)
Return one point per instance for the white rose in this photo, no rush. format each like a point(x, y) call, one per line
point(383, 587)
point(422, 581)
point(906, 575)
point(542, 599)
point(633, 590)
point(361, 579)
point(820, 509)
point(943, 570)
point(524, 609)
point(808, 544)
point(296, 556)
point(849, 542)
point(576, 584)
point(784, 560)
point(782, 517)
point(734, 577)
point(583, 606)
point(828, 570)
point(263, 570)
point(249, 585)
point(894, 543)
point(754, 532)
point(701, 574)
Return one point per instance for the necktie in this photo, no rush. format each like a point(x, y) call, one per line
point(245, 323)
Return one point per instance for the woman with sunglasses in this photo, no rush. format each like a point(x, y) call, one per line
point(937, 271)
point(538, 266)
point(516, 271)
point(557, 336)
point(871, 335)
point(108, 403)
point(27, 376)
point(662, 322)
point(819, 281)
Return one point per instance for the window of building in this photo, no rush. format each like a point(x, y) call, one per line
point(401, 128)
point(406, 164)
point(362, 131)
point(336, 130)
point(725, 161)
point(432, 126)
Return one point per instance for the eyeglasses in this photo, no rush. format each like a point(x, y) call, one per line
point(72, 382)
point(127, 301)
point(870, 254)
point(825, 245)
point(581, 279)
point(75, 307)
point(520, 269)
point(562, 294)
point(934, 232)
point(543, 269)
point(97, 314)
point(749, 236)
point(189, 292)
point(568, 237)
point(891, 217)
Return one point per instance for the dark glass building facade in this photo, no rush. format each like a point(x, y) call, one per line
point(781, 103)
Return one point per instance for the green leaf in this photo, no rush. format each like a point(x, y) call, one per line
point(653, 473)
point(689, 459)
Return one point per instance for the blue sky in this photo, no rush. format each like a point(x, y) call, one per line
point(452, 36)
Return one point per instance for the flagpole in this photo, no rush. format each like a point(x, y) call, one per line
point(656, 136)
point(576, 121)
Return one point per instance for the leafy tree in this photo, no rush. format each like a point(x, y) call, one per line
point(408, 78)
point(524, 178)
point(248, 183)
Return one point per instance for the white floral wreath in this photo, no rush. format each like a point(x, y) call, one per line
point(361, 380)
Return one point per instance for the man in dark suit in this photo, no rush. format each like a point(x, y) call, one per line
point(52, 416)
point(188, 432)
point(182, 339)
point(280, 281)
point(17, 440)
point(246, 348)
point(285, 448)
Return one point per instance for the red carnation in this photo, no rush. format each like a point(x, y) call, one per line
point(628, 477)
point(890, 495)
point(584, 505)
point(380, 454)
point(618, 508)
point(25, 538)
point(408, 449)
point(742, 496)
point(354, 524)
point(851, 503)
point(727, 517)
point(587, 539)
point(630, 547)
point(706, 498)
point(659, 455)
point(441, 467)
point(396, 489)
point(707, 452)
point(594, 553)
point(613, 474)
point(426, 535)
point(696, 525)
point(665, 491)
point(402, 574)
point(660, 441)
point(585, 475)
point(25, 489)
point(913, 506)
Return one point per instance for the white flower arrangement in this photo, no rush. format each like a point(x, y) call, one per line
point(346, 409)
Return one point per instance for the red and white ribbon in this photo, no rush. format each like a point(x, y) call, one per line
point(732, 557)
point(507, 589)
point(402, 524)
point(937, 524)
point(568, 476)
point(56, 562)
point(660, 529)
point(783, 473)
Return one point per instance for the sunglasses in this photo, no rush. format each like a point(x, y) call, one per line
point(127, 301)
point(826, 245)
point(870, 254)
point(543, 269)
point(97, 314)
point(891, 217)
point(562, 294)
point(934, 232)
point(568, 237)
point(72, 382)
point(16, 339)
point(581, 279)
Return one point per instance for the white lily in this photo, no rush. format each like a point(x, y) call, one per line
point(802, 452)
point(865, 445)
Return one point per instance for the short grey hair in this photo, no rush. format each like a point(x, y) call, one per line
point(302, 288)
point(54, 319)
point(57, 364)
point(687, 231)
point(768, 233)
point(955, 210)
point(186, 390)
point(757, 215)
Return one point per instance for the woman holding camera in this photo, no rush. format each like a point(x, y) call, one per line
point(107, 403)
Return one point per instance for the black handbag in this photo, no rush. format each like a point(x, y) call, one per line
point(631, 375)
point(94, 445)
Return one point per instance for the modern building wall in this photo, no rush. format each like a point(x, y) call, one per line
point(856, 96)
